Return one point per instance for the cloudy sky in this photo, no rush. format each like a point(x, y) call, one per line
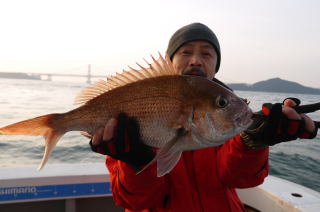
point(260, 39)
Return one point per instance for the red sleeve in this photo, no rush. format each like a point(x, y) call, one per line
point(240, 166)
point(136, 191)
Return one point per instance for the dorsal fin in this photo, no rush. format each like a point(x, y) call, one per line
point(160, 67)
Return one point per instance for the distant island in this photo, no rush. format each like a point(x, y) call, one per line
point(18, 75)
point(275, 85)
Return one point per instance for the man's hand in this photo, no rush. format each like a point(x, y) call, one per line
point(104, 133)
point(292, 114)
point(120, 139)
point(277, 123)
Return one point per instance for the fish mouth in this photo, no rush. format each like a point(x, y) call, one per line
point(243, 120)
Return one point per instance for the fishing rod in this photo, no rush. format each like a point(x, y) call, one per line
point(310, 108)
point(307, 108)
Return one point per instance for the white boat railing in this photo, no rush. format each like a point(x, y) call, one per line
point(67, 181)
point(70, 182)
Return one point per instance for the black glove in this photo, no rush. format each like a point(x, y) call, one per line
point(126, 144)
point(270, 126)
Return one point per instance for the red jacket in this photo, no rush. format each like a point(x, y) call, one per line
point(203, 180)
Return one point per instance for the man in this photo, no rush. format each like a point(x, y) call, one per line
point(205, 179)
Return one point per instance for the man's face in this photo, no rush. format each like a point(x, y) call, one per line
point(196, 58)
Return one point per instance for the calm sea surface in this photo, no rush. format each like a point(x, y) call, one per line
point(297, 161)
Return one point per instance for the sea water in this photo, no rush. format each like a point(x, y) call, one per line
point(297, 161)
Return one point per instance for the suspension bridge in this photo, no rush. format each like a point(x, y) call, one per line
point(48, 76)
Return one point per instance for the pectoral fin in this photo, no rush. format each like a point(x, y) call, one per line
point(164, 157)
point(168, 156)
point(167, 162)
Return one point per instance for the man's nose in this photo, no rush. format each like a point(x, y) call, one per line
point(195, 60)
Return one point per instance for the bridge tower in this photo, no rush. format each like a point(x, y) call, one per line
point(89, 74)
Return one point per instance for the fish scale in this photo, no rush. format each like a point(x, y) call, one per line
point(164, 103)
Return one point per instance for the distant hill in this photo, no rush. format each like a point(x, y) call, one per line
point(275, 85)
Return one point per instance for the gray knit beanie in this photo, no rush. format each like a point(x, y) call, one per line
point(193, 32)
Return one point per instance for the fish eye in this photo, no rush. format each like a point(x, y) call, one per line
point(221, 101)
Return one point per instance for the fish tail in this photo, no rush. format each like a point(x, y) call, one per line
point(45, 126)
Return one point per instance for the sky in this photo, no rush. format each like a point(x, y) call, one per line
point(259, 39)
